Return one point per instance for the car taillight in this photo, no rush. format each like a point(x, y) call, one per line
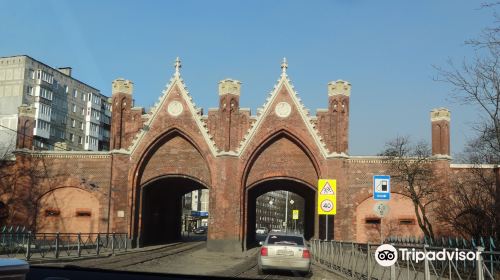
point(306, 254)
point(263, 251)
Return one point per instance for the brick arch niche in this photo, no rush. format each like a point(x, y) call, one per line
point(69, 210)
point(400, 221)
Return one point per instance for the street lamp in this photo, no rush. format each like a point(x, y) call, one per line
point(294, 221)
point(271, 201)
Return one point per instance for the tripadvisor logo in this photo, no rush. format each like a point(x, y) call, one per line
point(387, 255)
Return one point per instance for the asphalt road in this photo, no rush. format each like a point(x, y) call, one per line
point(192, 258)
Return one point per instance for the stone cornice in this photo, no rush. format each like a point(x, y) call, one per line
point(64, 154)
point(471, 165)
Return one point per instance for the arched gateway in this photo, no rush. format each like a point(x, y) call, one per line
point(159, 156)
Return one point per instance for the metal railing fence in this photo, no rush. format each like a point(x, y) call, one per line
point(28, 245)
point(357, 261)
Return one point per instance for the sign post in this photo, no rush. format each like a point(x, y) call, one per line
point(381, 210)
point(381, 191)
point(327, 199)
point(295, 217)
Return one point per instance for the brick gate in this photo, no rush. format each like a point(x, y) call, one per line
point(157, 157)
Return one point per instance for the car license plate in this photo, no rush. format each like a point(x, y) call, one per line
point(284, 253)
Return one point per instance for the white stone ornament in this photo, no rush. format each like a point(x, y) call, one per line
point(283, 109)
point(175, 108)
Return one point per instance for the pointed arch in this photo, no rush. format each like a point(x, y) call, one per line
point(136, 173)
point(272, 138)
point(159, 141)
point(282, 133)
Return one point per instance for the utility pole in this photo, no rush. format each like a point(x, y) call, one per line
point(286, 212)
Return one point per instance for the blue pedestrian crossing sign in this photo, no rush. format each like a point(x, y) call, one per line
point(381, 187)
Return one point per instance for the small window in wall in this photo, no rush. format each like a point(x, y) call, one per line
point(83, 213)
point(52, 212)
point(372, 221)
point(406, 221)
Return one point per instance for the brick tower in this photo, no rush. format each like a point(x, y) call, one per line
point(440, 120)
point(333, 123)
point(121, 110)
point(229, 104)
point(25, 126)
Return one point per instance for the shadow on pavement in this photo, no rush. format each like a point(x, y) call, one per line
point(193, 237)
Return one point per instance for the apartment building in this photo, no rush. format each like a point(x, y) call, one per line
point(195, 208)
point(274, 210)
point(69, 114)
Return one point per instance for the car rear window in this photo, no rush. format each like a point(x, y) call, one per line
point(285, 239)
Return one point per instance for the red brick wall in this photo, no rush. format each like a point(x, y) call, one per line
point(177, 156)
point(282, 158)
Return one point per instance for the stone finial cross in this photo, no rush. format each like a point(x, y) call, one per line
point(177, 66)
point(284, 65)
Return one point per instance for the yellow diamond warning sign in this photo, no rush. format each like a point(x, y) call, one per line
point(327, 197)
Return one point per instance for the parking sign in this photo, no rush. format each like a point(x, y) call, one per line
point(381, 187)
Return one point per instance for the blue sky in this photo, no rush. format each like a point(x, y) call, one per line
point(385, 49)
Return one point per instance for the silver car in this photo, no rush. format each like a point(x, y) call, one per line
point(284, 251)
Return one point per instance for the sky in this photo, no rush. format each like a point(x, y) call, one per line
point(385, 49)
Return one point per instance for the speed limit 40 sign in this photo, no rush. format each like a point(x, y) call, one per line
point(327, 197)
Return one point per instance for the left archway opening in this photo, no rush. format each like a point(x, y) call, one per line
point(166, 216)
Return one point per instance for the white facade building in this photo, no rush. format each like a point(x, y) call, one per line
point(70, 115)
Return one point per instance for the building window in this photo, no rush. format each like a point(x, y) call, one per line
point(75, 93)
point(73, 123)
point(83, 213)
point(87, 139)
point(372, 221)
point(83, 111)
point(74, 108)
point(71, 137)
point(44, 76)
point(66, 89)
point(29, 90)
point(32, 74)
point(80, 140)
point(41, 124)
point(406, 222)
point(52, 212)
point(81, 125)
point(45, 93)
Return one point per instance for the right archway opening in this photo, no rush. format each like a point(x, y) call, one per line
point(260, 194)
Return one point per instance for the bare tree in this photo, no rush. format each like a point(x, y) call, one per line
point(469, 207)
point(410, 167)
point(22, 181)
point(477, 82)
